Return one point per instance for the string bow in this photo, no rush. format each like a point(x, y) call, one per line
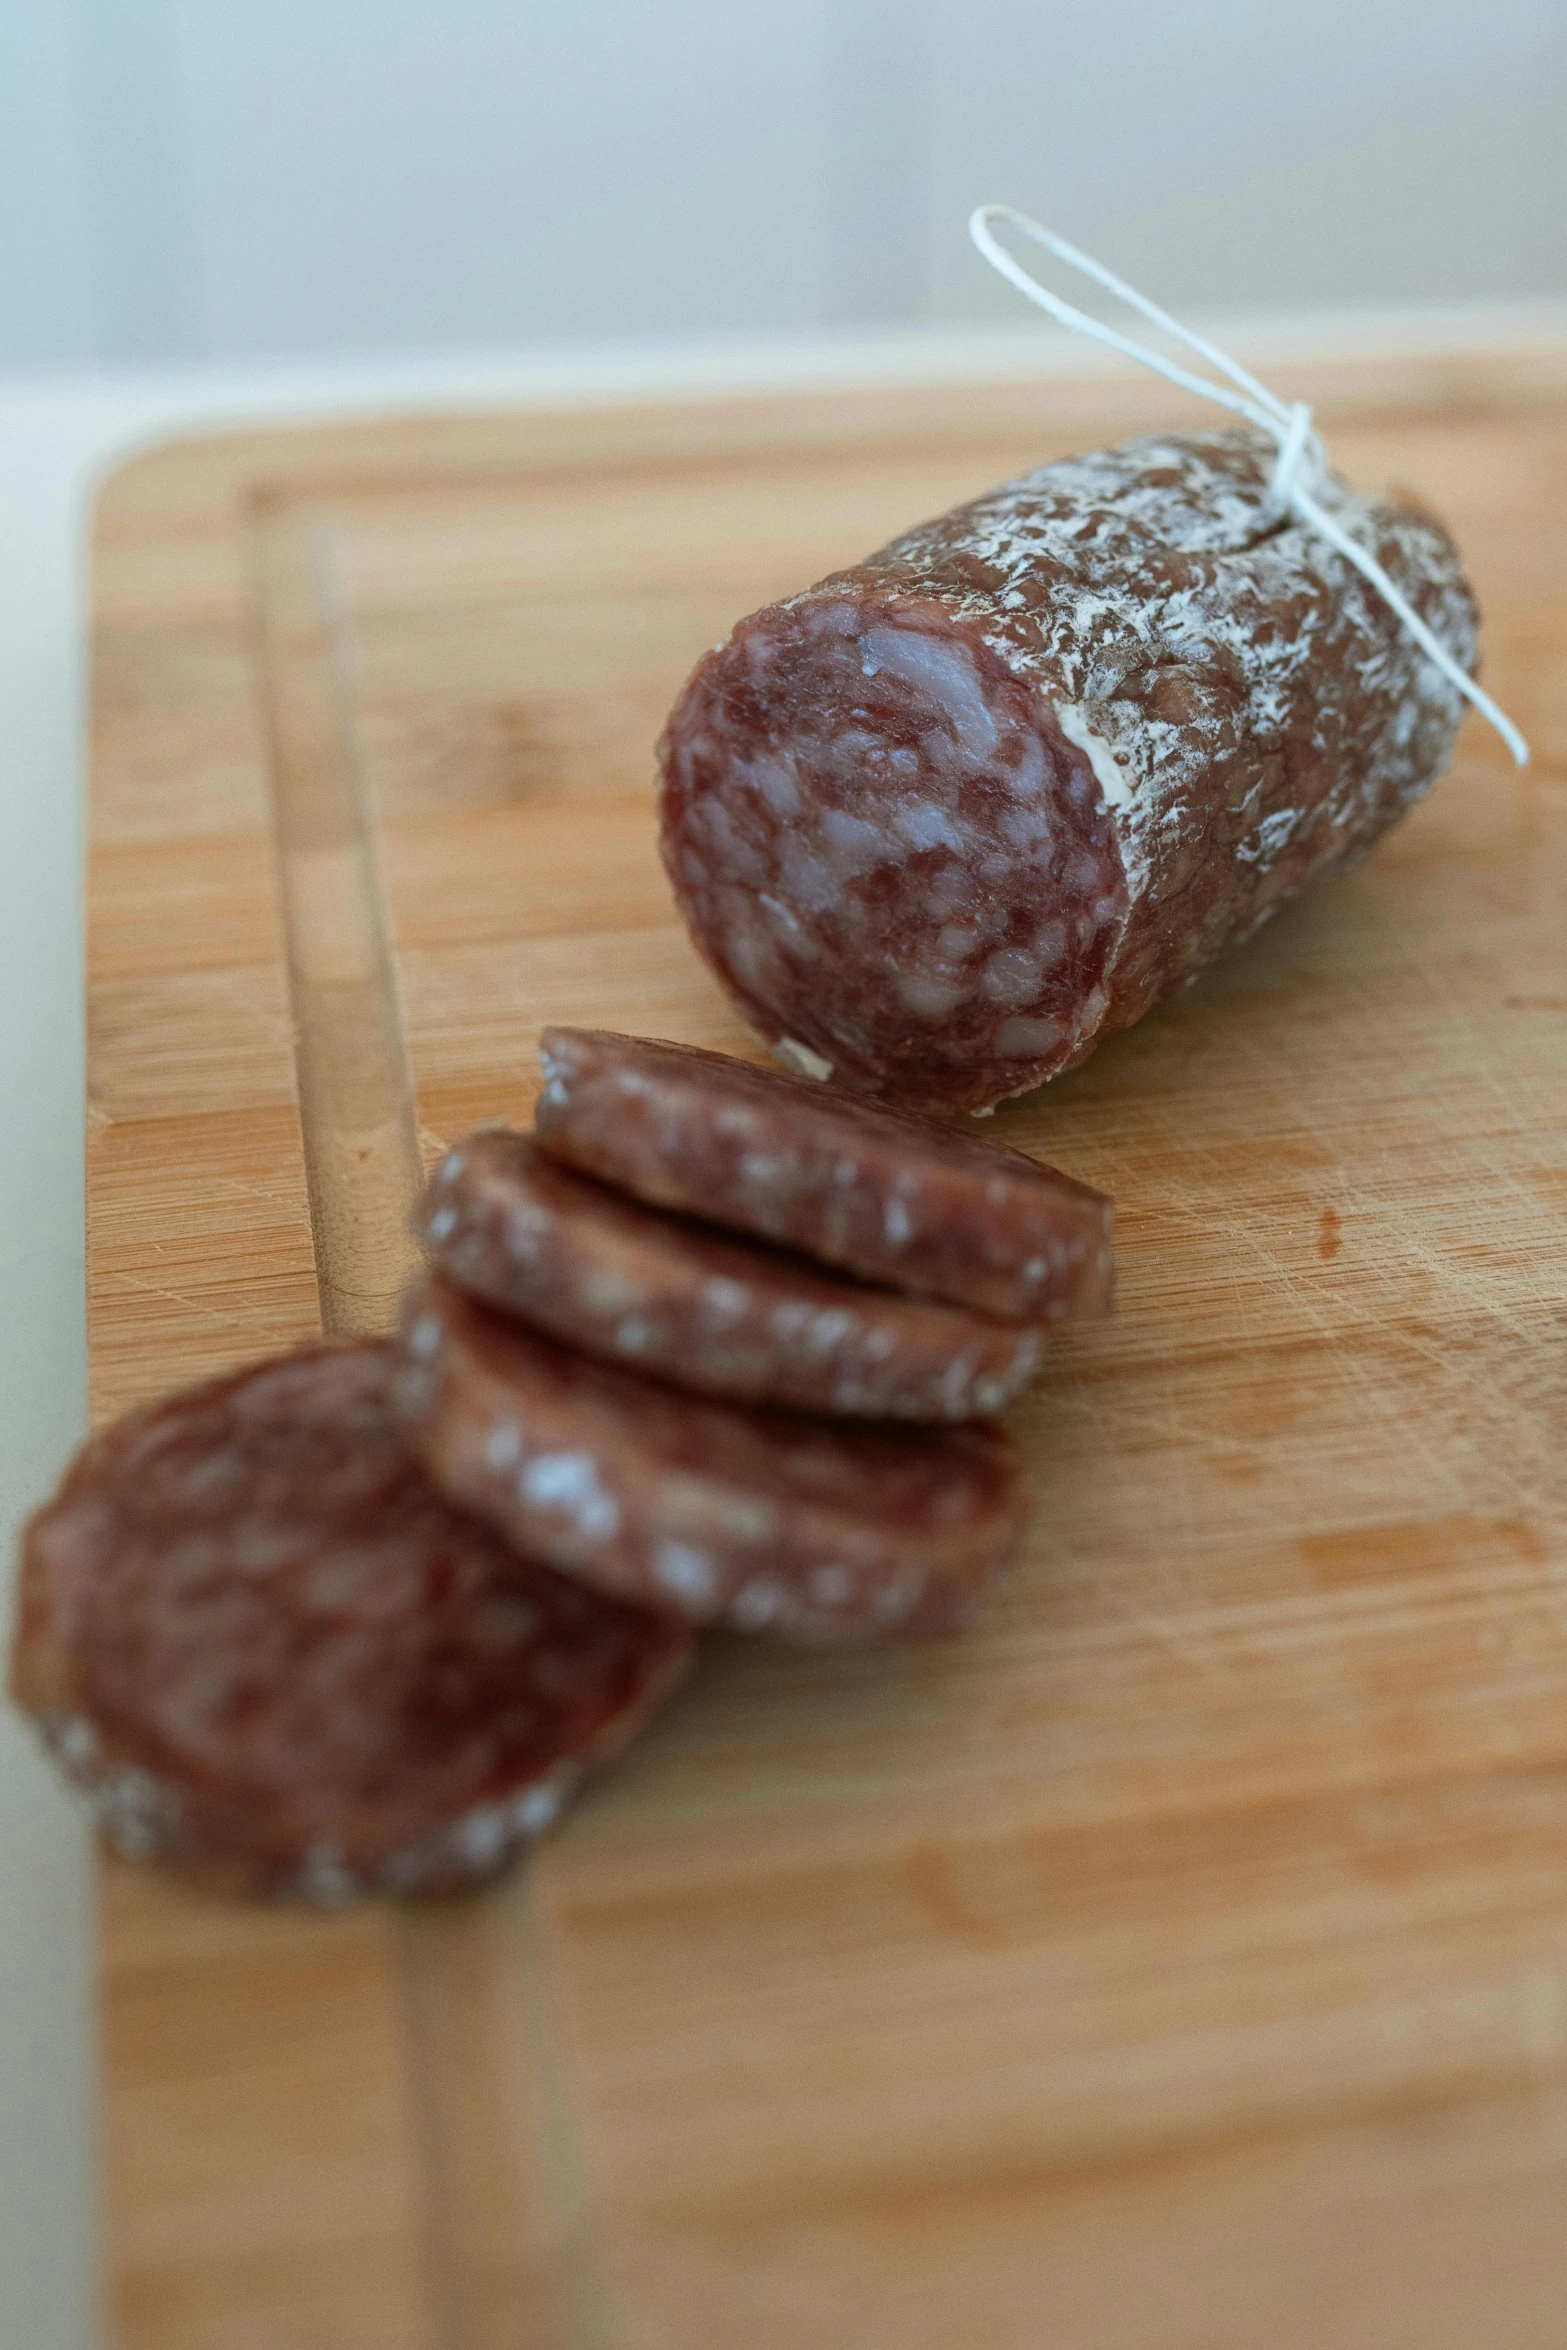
point(1302, 464)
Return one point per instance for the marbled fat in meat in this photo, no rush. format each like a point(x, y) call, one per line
point(253, 1631)
point(762, 1521)
point(892, 1197)
point(682, 1302)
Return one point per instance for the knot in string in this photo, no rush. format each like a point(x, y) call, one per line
point(1300, 472)
point(1302, 461)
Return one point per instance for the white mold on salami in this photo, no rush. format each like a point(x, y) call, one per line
point(1045, 757)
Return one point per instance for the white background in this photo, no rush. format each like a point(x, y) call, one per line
point(222, 179)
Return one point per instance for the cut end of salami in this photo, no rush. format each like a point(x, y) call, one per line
point(761, 1521)
point(945, 820)
point(681, 1302)
point(268, 1648)
point(915, 877)
point(892, 1197)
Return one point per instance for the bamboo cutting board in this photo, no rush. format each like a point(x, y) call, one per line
point(1177, 1960)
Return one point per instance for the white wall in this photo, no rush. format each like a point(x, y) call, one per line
point(219, 178)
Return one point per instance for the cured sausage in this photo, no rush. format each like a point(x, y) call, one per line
point(684, 1303)
point(894, 1198)
point(762, 1521)
point(254, 1631)
point(945, 821)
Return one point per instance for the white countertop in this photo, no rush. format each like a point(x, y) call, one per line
point(57, 434)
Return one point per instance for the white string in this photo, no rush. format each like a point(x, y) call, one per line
point(1302, 461)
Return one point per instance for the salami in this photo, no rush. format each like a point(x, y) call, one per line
point(893, 1198)
point(762, 1521)
point(948, 819)
point(684, 1303)
point(254, 1631)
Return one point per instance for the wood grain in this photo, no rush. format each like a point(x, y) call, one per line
point(1178, 1959)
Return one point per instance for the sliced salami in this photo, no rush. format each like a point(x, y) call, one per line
point(251, 1627)
point(758, 1520)
point(892, 1197)
point(681, 1302)
point(945, 821)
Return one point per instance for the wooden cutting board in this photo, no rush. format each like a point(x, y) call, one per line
point(1176, 1961)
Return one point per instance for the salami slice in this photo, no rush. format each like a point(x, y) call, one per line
point(759, 1520)
point(255, 1632)
point(894, 1198)
point(684, 1303)
point(945, 821)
